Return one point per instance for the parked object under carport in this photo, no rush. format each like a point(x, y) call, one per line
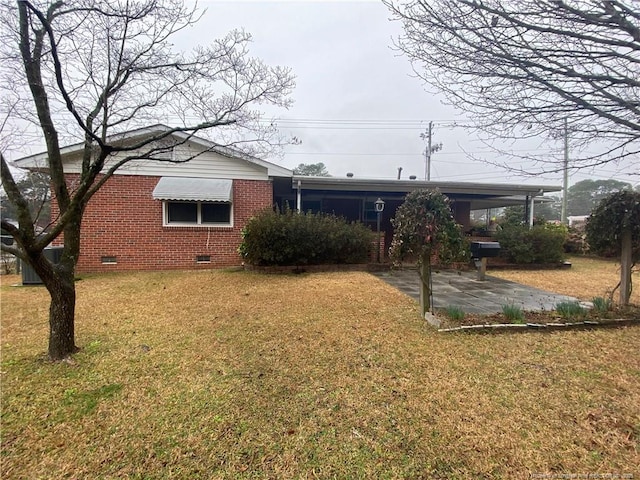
point(480, 251)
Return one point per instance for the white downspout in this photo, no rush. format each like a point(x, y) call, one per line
point(299, 197)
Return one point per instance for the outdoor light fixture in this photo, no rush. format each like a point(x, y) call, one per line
point(379, 205)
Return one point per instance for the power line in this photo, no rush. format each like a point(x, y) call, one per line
point(416, 154)
point(348, 127)
point(369, 121)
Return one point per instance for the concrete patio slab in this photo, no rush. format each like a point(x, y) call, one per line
point(463, 289)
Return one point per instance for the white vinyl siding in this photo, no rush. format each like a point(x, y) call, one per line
point(207, 165)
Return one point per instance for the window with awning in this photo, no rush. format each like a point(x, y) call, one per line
point(195, 201)
point(194, 189)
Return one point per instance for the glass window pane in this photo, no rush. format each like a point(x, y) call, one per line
point(179, 212)
point(216, 212)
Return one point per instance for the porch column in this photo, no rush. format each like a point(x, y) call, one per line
point(531, 211)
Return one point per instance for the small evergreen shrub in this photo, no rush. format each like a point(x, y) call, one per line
point(570, 310)
point(454, 312)
point(601, 304)
point(292, 238)
point(540, 244)
point(513, 313)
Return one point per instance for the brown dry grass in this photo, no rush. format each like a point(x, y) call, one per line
point(587, 278)
point(241, 375)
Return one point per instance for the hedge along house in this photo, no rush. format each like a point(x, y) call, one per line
point(155, 215)
point(354, 198)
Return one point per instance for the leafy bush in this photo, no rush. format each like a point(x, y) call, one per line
point(570, 310)
point(424, 227)
point(292, 238)
point(513, 313)
point(613, 228)
point(540, 244)
point(617, 213)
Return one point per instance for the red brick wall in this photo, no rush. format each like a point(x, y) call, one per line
point(123, 220)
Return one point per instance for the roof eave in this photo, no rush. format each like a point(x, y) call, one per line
point(386, 185)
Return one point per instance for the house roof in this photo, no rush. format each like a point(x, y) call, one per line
point(37, 160)
point(480, 195)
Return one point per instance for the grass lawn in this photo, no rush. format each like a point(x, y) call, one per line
point(587, 278)
point(216, 374)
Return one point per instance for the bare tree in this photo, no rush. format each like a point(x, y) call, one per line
point(519, 69)
point(89, 71)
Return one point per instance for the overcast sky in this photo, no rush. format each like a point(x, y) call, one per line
point(358, 108)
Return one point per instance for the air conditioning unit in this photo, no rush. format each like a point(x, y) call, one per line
point(29, 275)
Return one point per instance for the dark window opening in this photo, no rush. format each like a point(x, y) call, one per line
point(216, 212)
point(182, 212)
point(198, 213)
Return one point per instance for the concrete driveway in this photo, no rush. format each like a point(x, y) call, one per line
point(462, 289)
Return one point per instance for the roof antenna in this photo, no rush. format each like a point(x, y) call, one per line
point(399, 172)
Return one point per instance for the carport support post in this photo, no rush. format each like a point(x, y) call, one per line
point(482, 269)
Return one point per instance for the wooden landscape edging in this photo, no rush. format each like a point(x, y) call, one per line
point(522, 327)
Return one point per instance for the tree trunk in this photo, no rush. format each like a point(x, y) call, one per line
point(625, 268)
point(62, 316)
point(425, 285)
point(59, 280)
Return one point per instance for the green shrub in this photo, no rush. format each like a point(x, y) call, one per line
point(570, 310)
point(615, 215)
point(601, 304)
point(292, 238)
point(454, 312)
point(540, 244)
point(513, 313)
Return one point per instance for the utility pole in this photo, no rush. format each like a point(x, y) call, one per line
point(565, 178)
point(427, 173)
point(431, 147)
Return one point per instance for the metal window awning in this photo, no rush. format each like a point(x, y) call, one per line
point(194, 189)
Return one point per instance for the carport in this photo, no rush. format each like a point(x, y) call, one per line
point(354, 198)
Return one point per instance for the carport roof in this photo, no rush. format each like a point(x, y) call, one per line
point(480, 195)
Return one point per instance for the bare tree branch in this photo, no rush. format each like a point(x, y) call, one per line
point(519, 69)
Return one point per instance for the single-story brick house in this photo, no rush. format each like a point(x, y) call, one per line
point(154, 215)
